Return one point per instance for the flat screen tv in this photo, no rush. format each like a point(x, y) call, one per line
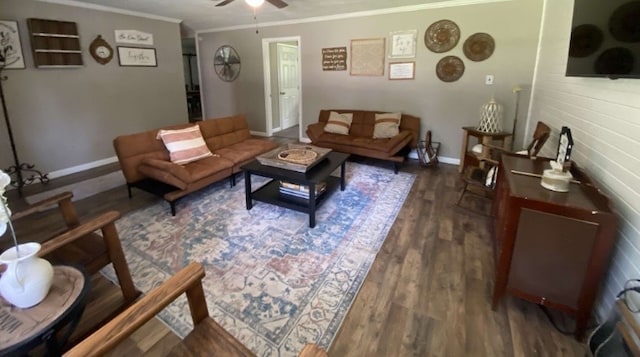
point(605, 39)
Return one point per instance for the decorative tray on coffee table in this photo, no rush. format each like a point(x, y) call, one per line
point(295, 157)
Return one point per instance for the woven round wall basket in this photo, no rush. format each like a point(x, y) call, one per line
point(442, 36)
point(491, 117)
point(479, 46)
point(450, 69)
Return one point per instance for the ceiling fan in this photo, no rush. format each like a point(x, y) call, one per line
point(255, 3)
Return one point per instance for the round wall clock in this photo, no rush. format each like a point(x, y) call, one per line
point(100, 50)
point(226, 62)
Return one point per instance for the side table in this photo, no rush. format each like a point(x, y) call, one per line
point(469, 158)
point(23, 329)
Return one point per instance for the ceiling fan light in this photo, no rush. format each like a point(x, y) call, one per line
point(254, 3)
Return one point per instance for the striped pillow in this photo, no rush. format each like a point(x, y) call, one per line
point(184, 145)
point(339, 123)
point(387, 125)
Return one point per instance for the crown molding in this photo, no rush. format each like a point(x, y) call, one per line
point(111, 9)
point(393, 10)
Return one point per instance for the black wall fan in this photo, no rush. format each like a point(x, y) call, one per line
point(277, 3)
point(226, 62)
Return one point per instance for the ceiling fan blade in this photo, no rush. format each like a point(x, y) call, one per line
point(278, 3)
point(225, 2)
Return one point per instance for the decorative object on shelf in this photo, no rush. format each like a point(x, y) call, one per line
point(334, 59)
point(586, 39)
point(137, 57)
point(100, 50)
point(516, 90)
point(367, 57)
point(479, 46)
point(402, 70)
point(10, 46)
point(558, 178)
point(55, 44)
point(27, 278)
point(134, 37)
point(403, 44)
point(623, 23)
point(491, 117)
point(19, 168)
point(441, 36)
point(450, 68)
point(226, 63)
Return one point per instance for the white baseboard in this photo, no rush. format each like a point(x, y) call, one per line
point(83, 167)
point(258, 133)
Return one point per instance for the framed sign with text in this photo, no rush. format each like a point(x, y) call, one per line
point(334, 59)
point(137, 57)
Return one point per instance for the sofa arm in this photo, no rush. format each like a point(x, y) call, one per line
point(315, 130)
point(165, 171)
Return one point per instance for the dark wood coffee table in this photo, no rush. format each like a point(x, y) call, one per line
point(270, 193)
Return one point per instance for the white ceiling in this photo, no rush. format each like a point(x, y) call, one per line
point(203, 14)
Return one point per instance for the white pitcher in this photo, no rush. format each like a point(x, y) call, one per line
point(27, 279)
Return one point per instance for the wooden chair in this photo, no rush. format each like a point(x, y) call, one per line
point(206, 339)
point(483, 176)
point(80, 244)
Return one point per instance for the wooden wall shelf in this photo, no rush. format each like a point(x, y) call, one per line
point(55, 44)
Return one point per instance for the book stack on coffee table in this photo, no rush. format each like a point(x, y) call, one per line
point(289, 189)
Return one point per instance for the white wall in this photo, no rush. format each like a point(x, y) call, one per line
point(604, 117)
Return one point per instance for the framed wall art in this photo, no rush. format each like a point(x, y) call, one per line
point(137, 57)
point(367, 57)
point(402, 70)
point(10, 47)
point(402, 44)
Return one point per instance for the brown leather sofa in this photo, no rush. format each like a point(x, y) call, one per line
point(145, 160)
point(360, 140)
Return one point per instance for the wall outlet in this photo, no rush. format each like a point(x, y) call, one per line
point(488, 80)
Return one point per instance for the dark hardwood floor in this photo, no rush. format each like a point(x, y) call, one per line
point(428, 292)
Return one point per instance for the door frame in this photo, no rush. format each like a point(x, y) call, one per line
point(266, 69)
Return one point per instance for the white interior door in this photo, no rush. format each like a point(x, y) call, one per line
point(289, 96)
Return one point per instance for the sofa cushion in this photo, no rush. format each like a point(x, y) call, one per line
point(184, 145)
point(339, 123)
point(245, 151)
point(387, 125)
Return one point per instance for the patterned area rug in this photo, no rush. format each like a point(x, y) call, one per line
point(271, 281)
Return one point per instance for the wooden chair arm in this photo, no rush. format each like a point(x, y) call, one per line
point(82, 230)
point(63, 200)
point(123, 325)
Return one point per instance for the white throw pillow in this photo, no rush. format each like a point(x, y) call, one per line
point(339, 123)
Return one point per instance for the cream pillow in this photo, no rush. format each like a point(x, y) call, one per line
point(339, 123)
point(387, 125)
point(184, 145)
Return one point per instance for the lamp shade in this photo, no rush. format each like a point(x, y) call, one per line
point(491, 117)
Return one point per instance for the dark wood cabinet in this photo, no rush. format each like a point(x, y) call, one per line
point(55, 44)
point(552, 248)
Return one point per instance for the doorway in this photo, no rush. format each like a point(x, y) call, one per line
point(283, 103)
point(191, 79)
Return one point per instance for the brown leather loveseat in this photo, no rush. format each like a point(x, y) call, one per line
point(145, 162)
point(360, 141)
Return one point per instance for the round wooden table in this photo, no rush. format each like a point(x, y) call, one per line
point(23, 329)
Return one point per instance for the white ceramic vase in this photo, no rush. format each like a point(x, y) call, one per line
point(27, 279)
